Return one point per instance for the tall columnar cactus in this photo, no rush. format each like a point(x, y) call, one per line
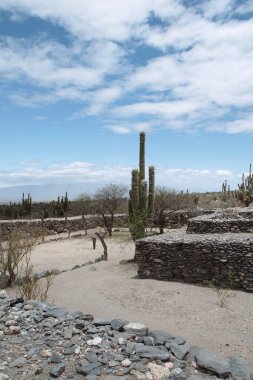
point(142, 156)
point(225, 192)
point(151, 191)
point(65, 205)
point(26, 205)
point(245, 189)
point(141, 202)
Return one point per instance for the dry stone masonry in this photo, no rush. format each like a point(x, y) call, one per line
point(231, 220)
point(43, 341)
point(203, 252)
point(174, 219)
point(58, 225)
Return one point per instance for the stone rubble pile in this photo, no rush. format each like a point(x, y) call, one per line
point(44, 341)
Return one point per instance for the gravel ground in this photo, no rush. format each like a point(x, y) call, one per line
point(111, 290)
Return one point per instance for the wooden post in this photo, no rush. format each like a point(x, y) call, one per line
point(102, 239)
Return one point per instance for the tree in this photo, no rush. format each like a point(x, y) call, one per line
point(169, 200)
point(108, 201)
point(85, 203)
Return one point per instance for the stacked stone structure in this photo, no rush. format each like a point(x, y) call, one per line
point(230, 220)
point(175, 219)
point(52, 226)
point(213, 248)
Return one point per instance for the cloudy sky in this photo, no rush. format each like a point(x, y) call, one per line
point(79, 79)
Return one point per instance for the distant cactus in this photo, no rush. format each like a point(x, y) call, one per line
point(225, 192)
point(26, 206)
point(141, 201)
point(245, 189)
point(61, 207)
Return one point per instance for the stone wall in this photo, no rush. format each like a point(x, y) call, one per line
point(179, 218)
point(230, 220)
point(175, 219)
point(54, 226)
point(198, 258)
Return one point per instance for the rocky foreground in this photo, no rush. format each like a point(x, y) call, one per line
point(44, 341)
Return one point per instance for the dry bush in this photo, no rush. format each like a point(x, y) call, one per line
point(170, 200)
point(211, 200)
point(225, 292)
point(18, 245)
point(15, 261)
point(29, 286)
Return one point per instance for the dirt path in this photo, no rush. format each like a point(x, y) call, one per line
point(111, 290)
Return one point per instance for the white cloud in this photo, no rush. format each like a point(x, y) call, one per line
point(202, 71)
point(33, 173)
point(130, 127)
point(116, 20)
point(59, 72)
point(216, 8)
point(241, 125)
point(223, 173)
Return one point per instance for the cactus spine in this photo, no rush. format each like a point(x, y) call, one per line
point(141, 202)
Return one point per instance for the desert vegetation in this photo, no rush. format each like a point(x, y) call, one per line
point(16, 267)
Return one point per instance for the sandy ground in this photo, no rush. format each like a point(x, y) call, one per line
point(111, 290)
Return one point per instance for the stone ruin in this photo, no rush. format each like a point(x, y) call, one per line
point(216, 248)
point(54, 226)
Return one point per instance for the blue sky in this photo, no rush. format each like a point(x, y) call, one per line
point(80, 79)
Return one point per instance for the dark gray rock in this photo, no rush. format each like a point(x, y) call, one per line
point(152, 352)
point(200, 376)
point(19, 362)
point(57, 370)
point(160, 337)
point(3, 294)
point(179, 376)
point(212, 362)
point(179, 350)
point(91, 357)
point(76, 267)
point(240, 368)
point(42, 274)
point(4, 280)
point(89, 369)
point(117, 324)
point(149, 341)
point(101, 322)
point(136, 328)
point(51, 310)
point(91, 377)
point(193, 350)
point(54, 358)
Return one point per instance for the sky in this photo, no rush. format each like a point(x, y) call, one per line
point(80, 79)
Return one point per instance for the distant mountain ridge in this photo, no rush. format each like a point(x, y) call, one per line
point(47, 192)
